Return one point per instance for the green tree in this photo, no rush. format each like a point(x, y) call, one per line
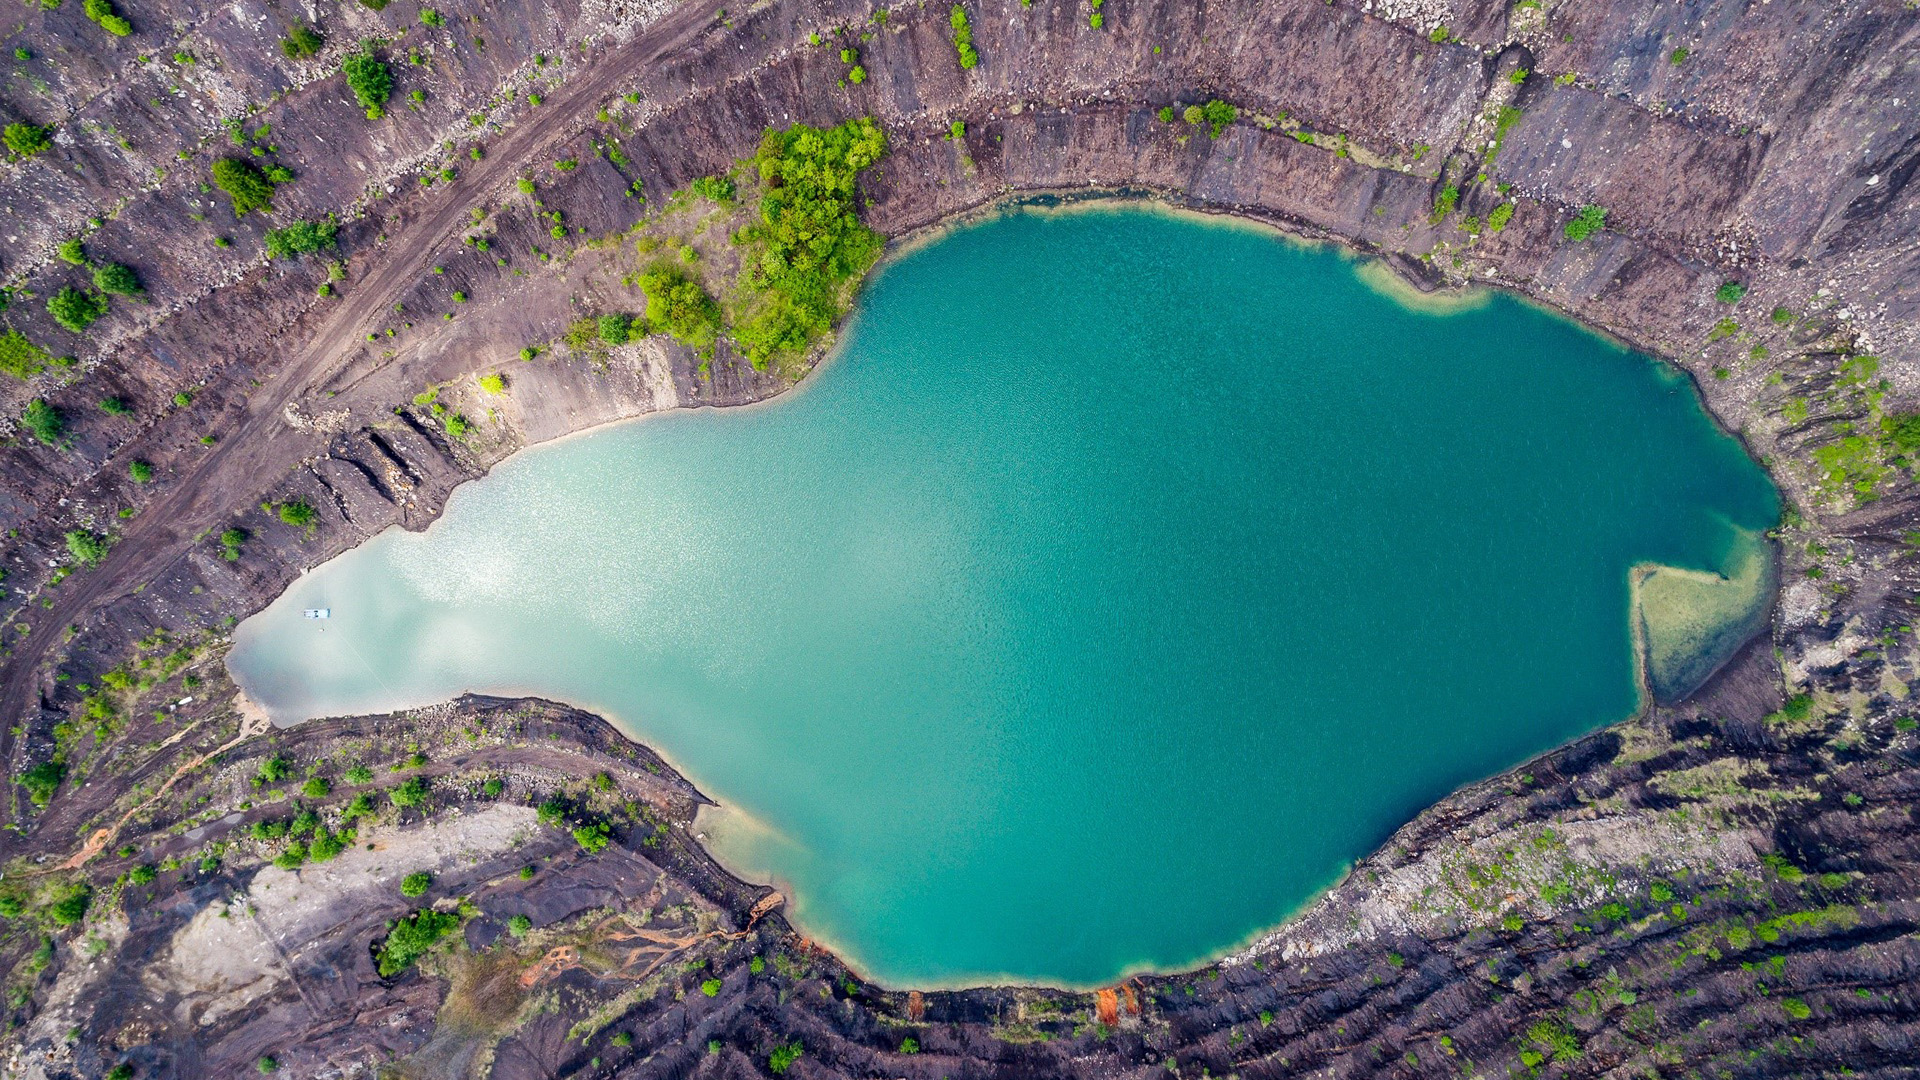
point(300, 238)
point(809, 242)
point(1218, 114)
point(677, 305)
point(248, 187)
point(783, 1057)
point(1591, 219)
point(963, 38)
point(25, 140)
point(42, 780)
point(72, 906)
point(416, 883)
point(71, 252)
point(76, 310)
point(411, 937)
point(87, 547)
point(297, 512)
point(301, 42)
point(20, 357)
point(230, 544)
point(117, 279)
point(44, 422)
point(616, 329)
point(369, 79)
point(101, 11)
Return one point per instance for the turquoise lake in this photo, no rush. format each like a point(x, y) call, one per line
point(1121, 578)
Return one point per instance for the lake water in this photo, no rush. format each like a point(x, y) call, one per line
point(1121, 578)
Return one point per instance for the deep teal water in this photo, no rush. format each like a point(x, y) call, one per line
point(1122, 578)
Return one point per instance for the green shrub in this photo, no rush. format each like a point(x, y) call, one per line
point(410, 939)
point(142, 875)
point(1591, 219)
point(718, 189)
point(615, 329)
point(963, 38)
point(411, 793)
point(122, 1071)
point(327, 845)
point(71, 252)
point(248, 187)
point(678, 306)
point(416, 884)
point(115, 406)
point(359, 774)
point(230, 543)
point(267, 1064)
point(1679, 56)
point(117, 279)
point(783, 1057)
point(493, 383)
point(301, 42)
point(101, 11)
point(45, 423)
point(592, 836)
point(1796, 1008)
point(316, 787)
point(369, 79)
point(1730, 292)
point(1497, 220)
point(298, 513)
point(519, 925)
point(20, 357)
point(294, 857)
point(300, 238)
point(86, 547)
point(42, 780)
point(76, 310)
point(72, 905)
point(140, 471)
point(430, 17)
point(274, 769)
point(1444, 204)
point(25, 140)
point(1218, 114)
point(712, 987)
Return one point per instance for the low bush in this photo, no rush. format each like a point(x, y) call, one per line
point(301, 42)
point(101, 12)
point(25, 140)
point(20, 357)
point(72, 906)
point(1730, 292)
point(963, 38)
point(1591, 219)
point(87, 547)
point(71, 252)
point(298, 513)
point(616, 329)
point(248, 187)
point(140, 471)
point(45, 423)
point(42, 780)
point(117, 279)
point(76, 310)
point(519, 925)
point(411, 793)
point(719, 189)
point(678, 306)
point(416, 884)
point(410, 938)
point(301, 238)
point(230, 544)
point(369, 79)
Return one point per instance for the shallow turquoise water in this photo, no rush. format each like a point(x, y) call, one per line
point(1121, 579)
